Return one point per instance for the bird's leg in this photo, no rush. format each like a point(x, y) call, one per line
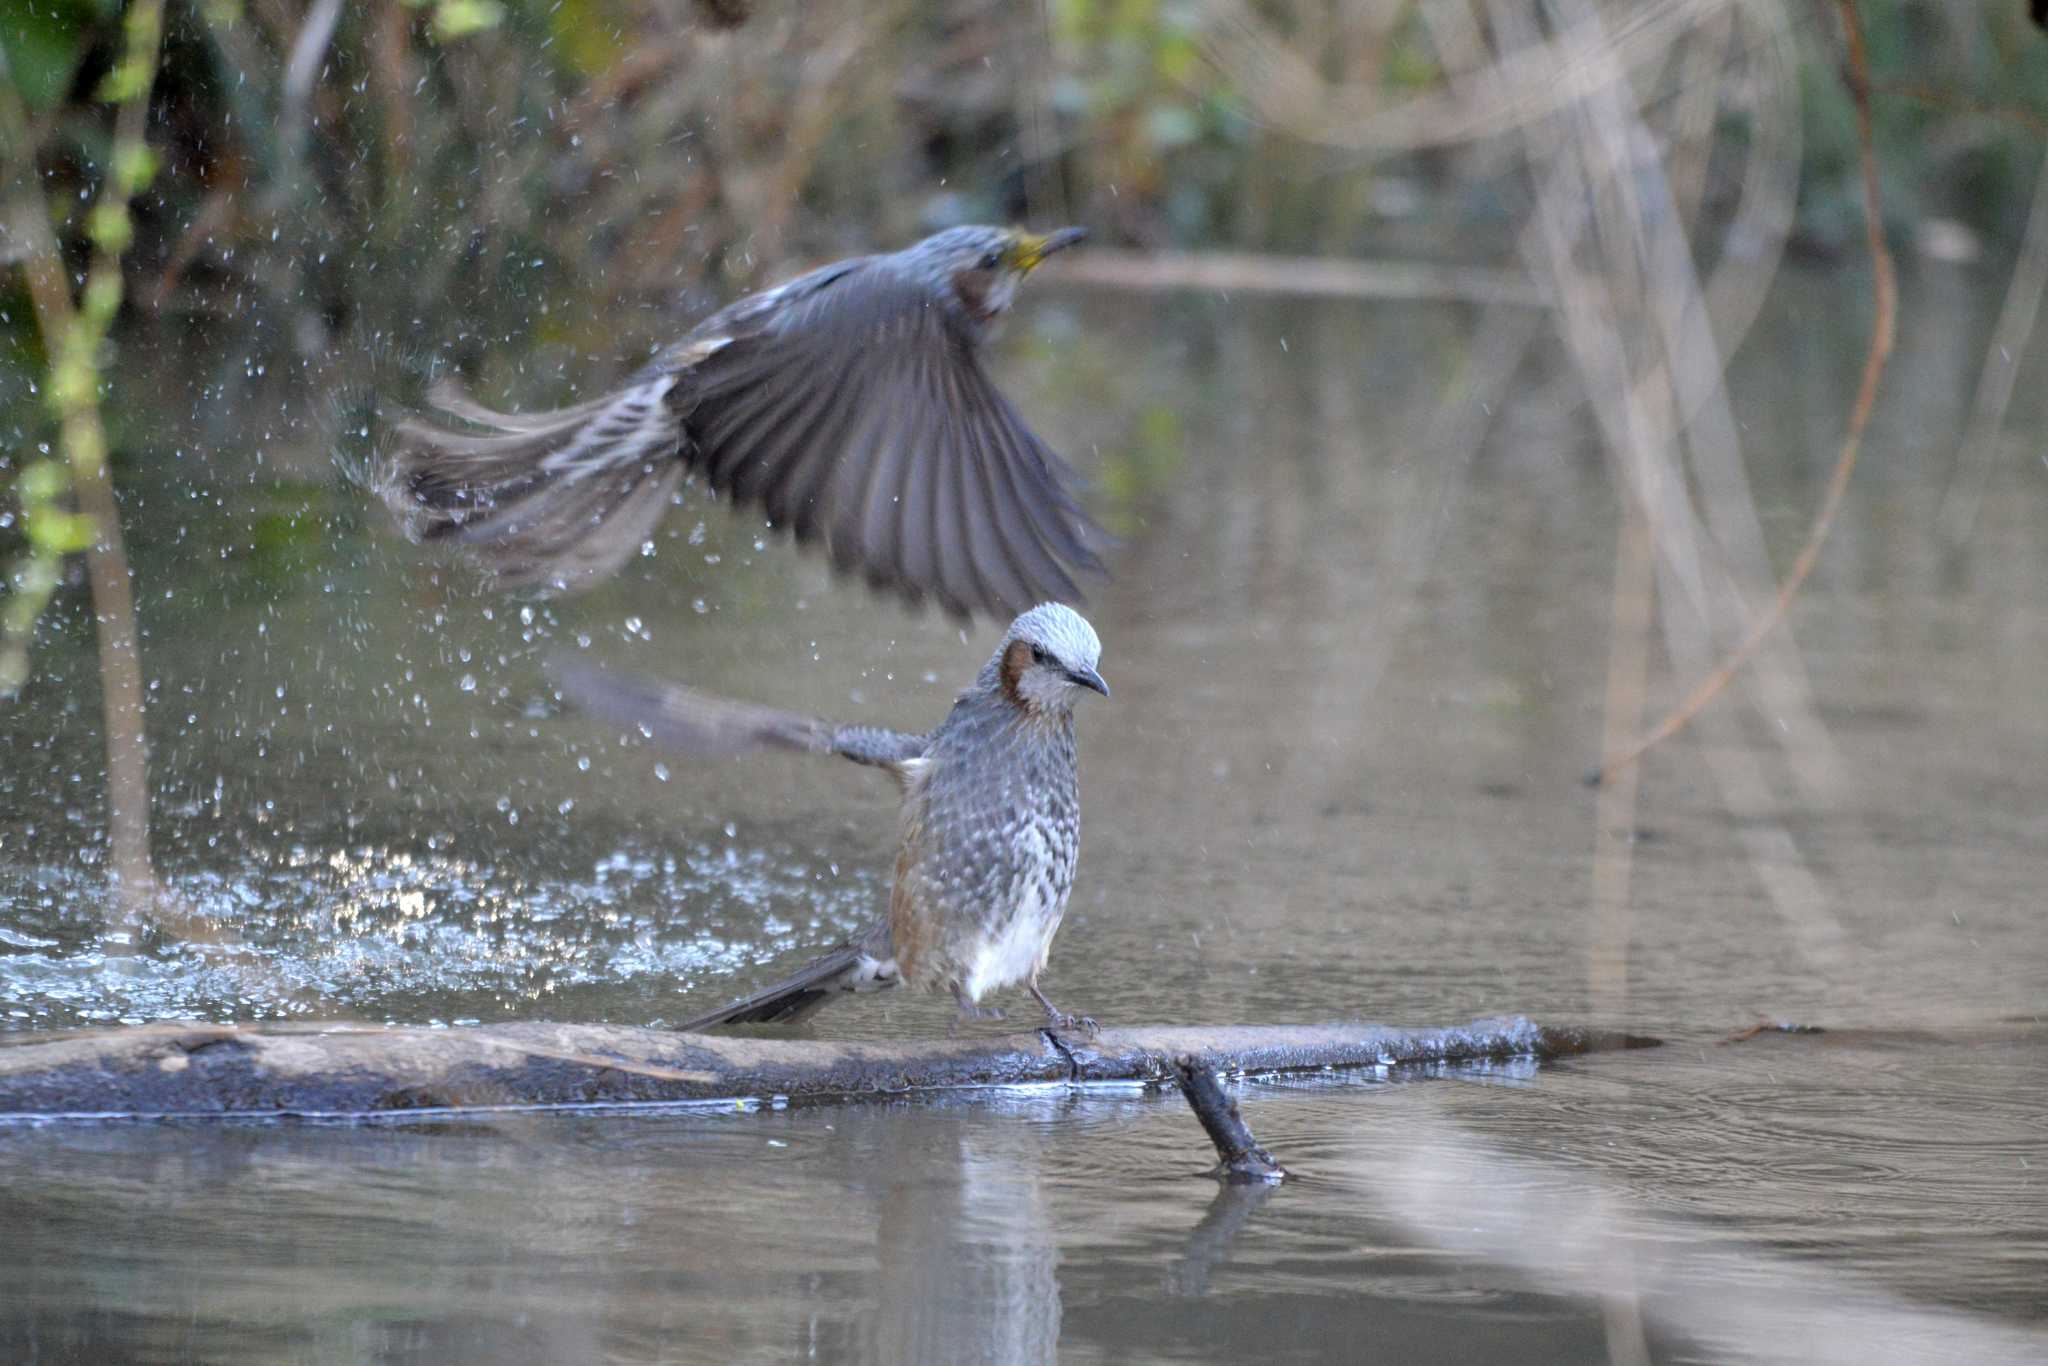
point(969, 1011)
point(1059, 1019)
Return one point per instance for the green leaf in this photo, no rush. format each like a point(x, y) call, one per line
point(42, 481)
point(43, 44)
point(457, 19)
point(62, 533)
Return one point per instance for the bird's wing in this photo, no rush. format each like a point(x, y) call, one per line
point(705, 726)
point(859, 414)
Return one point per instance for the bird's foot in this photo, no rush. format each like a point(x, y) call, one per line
point(970, 1012)
point(1057, 1019)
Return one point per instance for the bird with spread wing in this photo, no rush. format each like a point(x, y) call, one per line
point(849, 404)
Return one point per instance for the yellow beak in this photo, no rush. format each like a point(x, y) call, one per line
point(1028, 249)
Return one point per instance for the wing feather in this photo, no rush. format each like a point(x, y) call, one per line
point(860, 415)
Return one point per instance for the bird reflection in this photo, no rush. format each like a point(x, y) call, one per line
point(967, 1248)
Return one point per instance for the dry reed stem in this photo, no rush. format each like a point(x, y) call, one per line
point(1287, 89)
point(1614, 318)
point(2001, 369)
point(1630, 615)
point(1882, 331)
point(1319, 277)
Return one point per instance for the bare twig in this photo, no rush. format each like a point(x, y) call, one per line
point(1949, 102)
point(1243, 1158)
point(1886, 291)
point(1762, 1027)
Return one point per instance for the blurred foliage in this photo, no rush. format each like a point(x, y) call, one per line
point(633, 146)
point(65, 497)
point(359, 184)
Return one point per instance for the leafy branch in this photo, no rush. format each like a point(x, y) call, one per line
point(74, 334)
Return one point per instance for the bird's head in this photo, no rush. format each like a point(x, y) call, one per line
point(1047, 658)
point(982, 267)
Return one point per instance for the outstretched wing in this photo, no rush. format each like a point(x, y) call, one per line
point(706, 726)
point(858, 413)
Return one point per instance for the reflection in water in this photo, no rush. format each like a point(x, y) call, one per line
point(1575, 1235)
point(967, 1249)
point(1452, 1219)
point(1209, 1245)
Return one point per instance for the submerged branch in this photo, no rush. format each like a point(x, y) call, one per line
point(357, 1070)
point(1242, 1157)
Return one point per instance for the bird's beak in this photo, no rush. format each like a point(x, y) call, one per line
point(1088, 678)
point(1030, 249)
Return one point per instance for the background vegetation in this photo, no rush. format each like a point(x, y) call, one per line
point(339, 197)
point(635, 149)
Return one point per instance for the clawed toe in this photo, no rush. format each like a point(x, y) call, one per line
point(1084, 1023)
point(1055, 1018)
point(1059, 1019)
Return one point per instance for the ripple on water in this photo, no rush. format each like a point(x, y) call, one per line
point(417, 934)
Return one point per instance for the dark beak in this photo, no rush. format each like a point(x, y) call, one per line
point(1062, 239)
point(1088, 678)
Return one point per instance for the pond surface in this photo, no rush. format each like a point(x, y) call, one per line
point(1359, 670)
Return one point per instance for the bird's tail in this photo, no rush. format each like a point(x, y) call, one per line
point(561, 498)
point(850, 967)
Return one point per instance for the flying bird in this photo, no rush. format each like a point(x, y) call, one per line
point(849, 404)
point(990, 827)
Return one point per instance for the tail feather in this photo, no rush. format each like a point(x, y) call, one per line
point(865, 964)
point(792, 999)
point(561, 498)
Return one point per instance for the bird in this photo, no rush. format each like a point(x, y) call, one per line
point(989, 829)
point(849, 404)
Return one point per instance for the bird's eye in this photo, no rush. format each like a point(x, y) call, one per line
point(1038, 654)
point(990, 260)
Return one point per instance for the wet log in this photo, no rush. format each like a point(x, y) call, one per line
point(355, 1070)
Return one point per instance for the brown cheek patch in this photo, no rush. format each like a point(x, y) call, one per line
point(1016, 660)
point(972, 286)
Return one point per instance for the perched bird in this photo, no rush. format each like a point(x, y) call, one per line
point(991, 820)
point(849, 404)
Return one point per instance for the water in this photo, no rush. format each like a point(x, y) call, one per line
point(1357, 678)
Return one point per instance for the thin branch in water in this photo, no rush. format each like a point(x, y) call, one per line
point(1882, 331)
point(1243, 1158)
